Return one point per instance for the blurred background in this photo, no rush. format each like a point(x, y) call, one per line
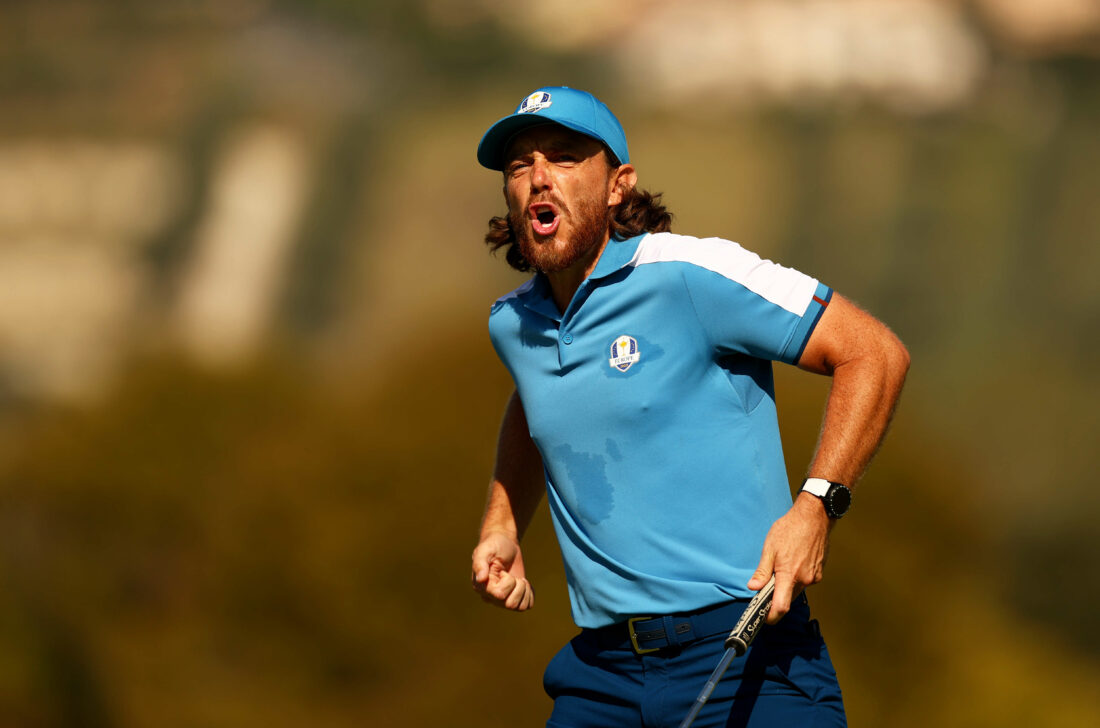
point(248, 403)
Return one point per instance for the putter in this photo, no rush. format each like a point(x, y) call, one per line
point(744, 632)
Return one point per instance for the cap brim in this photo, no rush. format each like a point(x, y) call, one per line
point(490, 152)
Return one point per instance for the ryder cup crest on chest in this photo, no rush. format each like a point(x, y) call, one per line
point(624, 353)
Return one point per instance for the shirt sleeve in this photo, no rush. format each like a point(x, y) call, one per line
point(750, 305)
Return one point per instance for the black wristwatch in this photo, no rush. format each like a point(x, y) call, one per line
point(836, 497)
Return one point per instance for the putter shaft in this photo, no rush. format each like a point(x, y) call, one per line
point(704, 694)
point(744, 632)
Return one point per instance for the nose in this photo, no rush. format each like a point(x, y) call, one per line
point(540, 175)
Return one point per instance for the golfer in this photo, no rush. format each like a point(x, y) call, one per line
point(644, 409)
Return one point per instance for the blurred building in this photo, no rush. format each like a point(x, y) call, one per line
point(73, 215)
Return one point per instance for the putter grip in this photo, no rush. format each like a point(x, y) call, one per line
point(752, 619)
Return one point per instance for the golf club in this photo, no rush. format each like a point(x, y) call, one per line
point(736, 644)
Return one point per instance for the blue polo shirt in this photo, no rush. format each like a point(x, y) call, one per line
point(651, 401)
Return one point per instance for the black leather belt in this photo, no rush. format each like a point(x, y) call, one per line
point(645, 635)
point(650, 634)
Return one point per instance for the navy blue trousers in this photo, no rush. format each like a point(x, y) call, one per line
point(785, 679)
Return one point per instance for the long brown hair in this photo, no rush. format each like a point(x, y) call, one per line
point(639, 212)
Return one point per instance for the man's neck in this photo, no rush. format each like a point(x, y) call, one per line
point(564, 283)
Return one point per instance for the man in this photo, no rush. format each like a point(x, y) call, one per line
point(644, 408)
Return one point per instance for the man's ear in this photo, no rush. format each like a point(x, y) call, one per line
point(623, 180)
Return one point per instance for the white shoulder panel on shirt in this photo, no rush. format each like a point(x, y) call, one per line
point(785, 287)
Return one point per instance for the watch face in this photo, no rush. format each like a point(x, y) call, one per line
point(838, 500)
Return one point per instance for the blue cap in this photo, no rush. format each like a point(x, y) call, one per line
point(574, 109)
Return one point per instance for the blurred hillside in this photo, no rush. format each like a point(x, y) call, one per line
point(247, 402)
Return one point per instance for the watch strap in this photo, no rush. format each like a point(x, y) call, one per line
point(816, 486)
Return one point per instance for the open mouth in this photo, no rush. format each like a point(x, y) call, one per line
point(544, 218)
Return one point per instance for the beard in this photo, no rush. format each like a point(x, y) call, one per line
point(589, 228)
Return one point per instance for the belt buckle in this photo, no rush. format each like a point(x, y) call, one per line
point(638, 650)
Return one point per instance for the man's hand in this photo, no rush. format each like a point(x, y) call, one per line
point(498, 573)
point(794, 550)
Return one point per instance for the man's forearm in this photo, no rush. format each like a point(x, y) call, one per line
point(868, 365)
point(861, 403)
point(518, 483)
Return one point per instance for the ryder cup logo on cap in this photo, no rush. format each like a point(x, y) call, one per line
point(534, 102)
point(624, 353)
point(571, 108)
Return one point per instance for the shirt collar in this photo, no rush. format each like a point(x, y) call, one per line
point(538, 299)
point(615, 256)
